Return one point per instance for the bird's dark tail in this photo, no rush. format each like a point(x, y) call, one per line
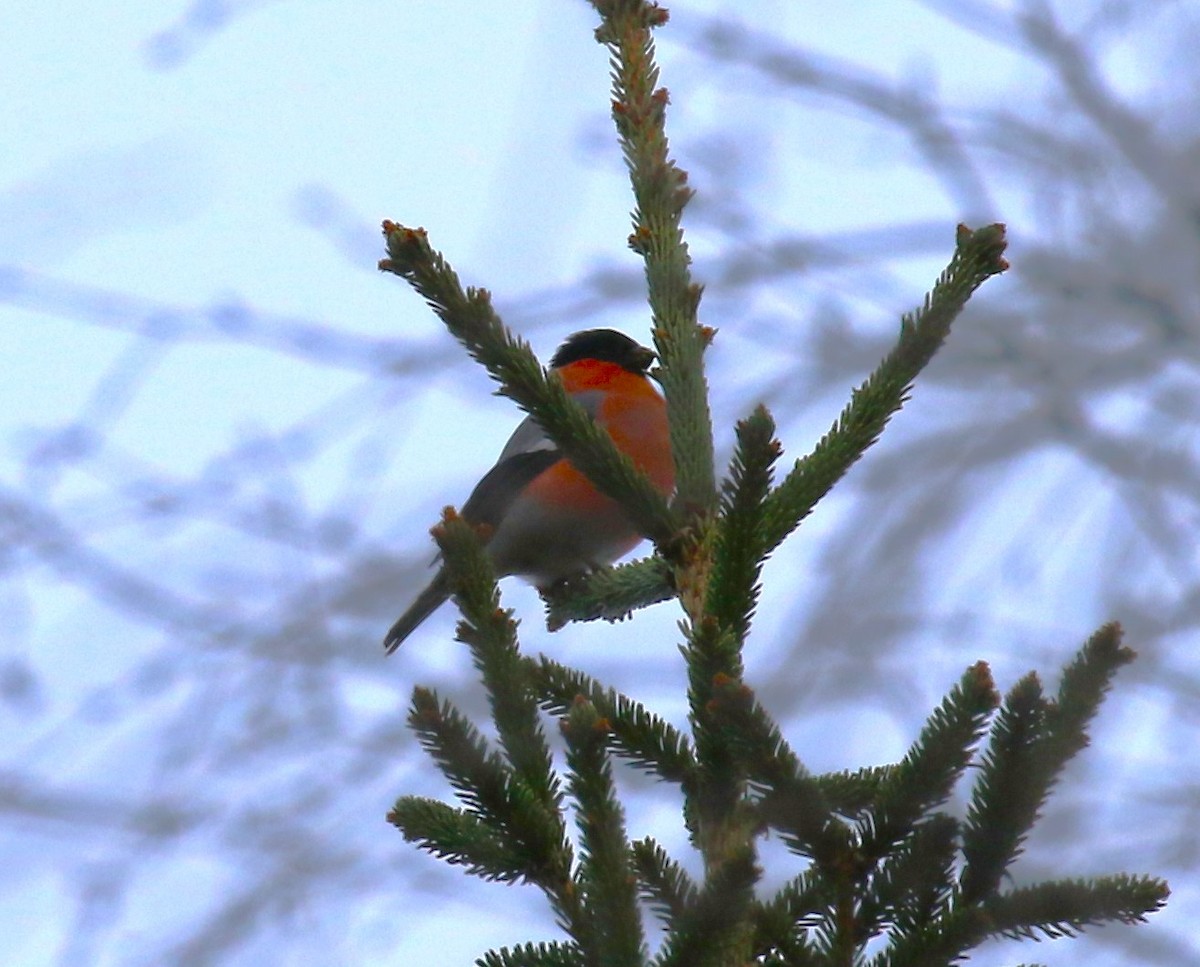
point(428, 601)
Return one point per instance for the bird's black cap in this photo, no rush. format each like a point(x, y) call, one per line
point(607, 345)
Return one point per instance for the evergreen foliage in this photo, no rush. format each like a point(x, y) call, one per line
point(884, 863)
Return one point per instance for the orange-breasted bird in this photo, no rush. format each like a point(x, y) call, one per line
point(542, 518)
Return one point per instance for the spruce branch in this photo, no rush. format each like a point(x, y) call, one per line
point(611, 593)
point(1084, 684)
point(1033, 739)
point(666, 886)
point(469, 316)
point(914, 885)
point(925, 777)
point(850, 793)
point(458, 837)
point(739, 550)
point(535, 955)
point(978, 255)
point(660, 192)
point(791, 800)
point(794, 955)
point(478, 774)
point(781, 923)
point(718, 926)
point(486, 785)
point(720, 817)
point(649, 742)
point(1063, 908)
point(714, 682)
point(612, 930)
point(941, 944)
point(532, 814)
point(514, 796)
point(491, 634)
point(1009, 790)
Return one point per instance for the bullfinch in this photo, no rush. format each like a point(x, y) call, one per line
point(541, 517)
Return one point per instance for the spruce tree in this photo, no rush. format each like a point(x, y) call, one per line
point(884, 862)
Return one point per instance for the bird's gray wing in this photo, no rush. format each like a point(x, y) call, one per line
point(529, 435)
point(494, 494)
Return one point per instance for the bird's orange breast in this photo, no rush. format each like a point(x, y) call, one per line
point(635, 416)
